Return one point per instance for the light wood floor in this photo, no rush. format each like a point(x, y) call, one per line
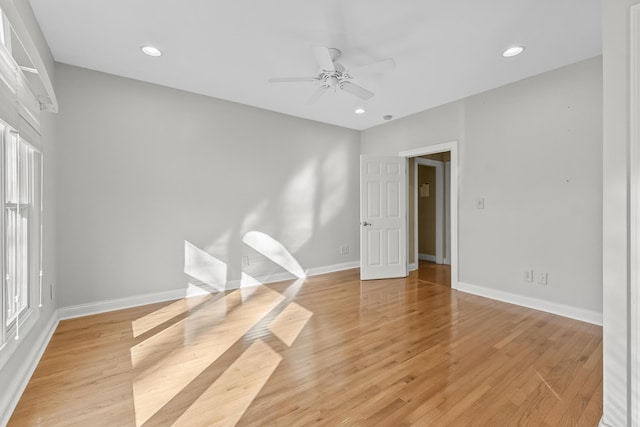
point(439, 274)
point(330, 350)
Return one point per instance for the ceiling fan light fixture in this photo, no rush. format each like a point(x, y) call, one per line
point(513, 51)
point(151, 51)
point(334, 75)
point(359, 111)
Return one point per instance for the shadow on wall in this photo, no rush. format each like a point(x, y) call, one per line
point(288, 220)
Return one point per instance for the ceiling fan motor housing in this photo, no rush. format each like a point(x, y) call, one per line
point(332, 75)
point(335, 78)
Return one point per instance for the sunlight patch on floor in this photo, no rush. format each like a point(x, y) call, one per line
point(227, 399)
point(247, 291)
point(165, 314)
point(167, 362)
point(290, 322)
point(294, 288)
point(247, 280)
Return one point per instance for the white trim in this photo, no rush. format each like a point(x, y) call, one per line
point(447, 212)
point(314, 271)
point(27, 321)
point(634, 218)
point(427, 257)
point(97, 307)
point(577, 313)
point(412, 266)
point(602, 423)
point(439, 194)
point(285, 275)
point(452, 147)
point(104, 306)
point(431, 149)
point(13, 16)
point(13, 392)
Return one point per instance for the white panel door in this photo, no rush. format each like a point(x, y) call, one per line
point(383, 220)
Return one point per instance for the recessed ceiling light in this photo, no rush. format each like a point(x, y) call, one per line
point(359, 111)
point(513, 51)
point(151, 51)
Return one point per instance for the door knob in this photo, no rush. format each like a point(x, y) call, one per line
point(366, 224)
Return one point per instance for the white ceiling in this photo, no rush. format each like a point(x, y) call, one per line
point(444, 50)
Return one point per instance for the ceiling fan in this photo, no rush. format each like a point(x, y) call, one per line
point(334, 75)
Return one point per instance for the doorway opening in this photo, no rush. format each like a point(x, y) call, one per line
point(431, 216)
point(432, 212)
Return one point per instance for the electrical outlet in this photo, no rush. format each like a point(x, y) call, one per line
point(528, 276)
point(344, 250)
point(245, 261)
point(541, 278)
point(480, 203)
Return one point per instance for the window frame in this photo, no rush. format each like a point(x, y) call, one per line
point(27, 316)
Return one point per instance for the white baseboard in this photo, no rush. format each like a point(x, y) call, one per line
point(412, 267)
point(13, 391)
point(314, 271)
point(119, 303)
point(530, 302)
point(426, 257)
point(138, 300)
point(602, 423)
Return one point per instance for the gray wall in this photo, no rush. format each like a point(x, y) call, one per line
point(616, 231)
point(533, 150)
point(142, 169)
point(11, 374)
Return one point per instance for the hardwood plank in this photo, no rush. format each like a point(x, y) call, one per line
point(329, 350)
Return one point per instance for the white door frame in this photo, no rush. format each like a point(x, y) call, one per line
point(452, 147)
point(634, 218)
point(447, 211)
point(439, 194)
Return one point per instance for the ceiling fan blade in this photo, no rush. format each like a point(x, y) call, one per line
point(323, 58)
point(356, 90)
point(376, 67)
point(317, 94)
point(292, 79)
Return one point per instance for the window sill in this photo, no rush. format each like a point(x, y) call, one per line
point(11, 344)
